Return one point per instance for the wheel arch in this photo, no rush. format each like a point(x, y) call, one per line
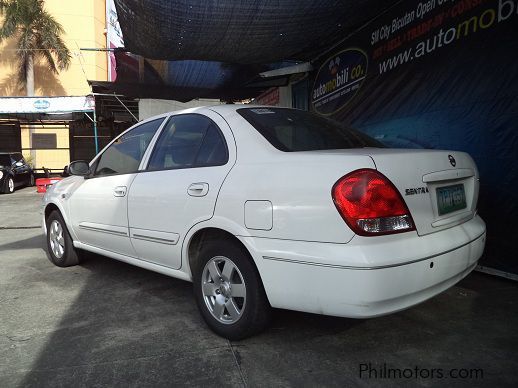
point(198, 237)
point(215, 229)
point(50, 207)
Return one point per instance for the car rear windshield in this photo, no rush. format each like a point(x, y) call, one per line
point(296, 130)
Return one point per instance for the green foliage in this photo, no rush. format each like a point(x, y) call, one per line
point(29, 159)
point(37, 34)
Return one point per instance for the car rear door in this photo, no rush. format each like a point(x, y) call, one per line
point(99, 206)
point(179, 186)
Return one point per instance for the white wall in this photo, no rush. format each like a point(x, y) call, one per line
point(285, 96)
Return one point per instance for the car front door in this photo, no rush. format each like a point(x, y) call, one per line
point(179, 186)
point(98, 207)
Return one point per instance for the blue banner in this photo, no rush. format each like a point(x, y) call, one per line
point(439, 74)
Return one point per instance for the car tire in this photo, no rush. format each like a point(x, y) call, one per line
point(60, 248)
point(32, 181)
point(9, 185)
point(238, 299)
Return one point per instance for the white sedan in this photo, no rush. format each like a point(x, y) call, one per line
point(265, 207)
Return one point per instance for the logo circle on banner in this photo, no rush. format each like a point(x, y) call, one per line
point(338, 80)
point(41, 104)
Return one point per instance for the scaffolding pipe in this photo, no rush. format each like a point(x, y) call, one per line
point(95, 134)
point(125, 107)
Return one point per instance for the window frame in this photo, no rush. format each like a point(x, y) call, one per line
point(164, 126)
point(95, 161)
point(35, 136)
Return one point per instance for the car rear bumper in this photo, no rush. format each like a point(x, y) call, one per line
point(389, 274)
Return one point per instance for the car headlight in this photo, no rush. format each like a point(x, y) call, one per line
point(1, 174)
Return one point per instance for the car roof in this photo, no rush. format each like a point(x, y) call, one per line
point(233, 107)
point(222, 109)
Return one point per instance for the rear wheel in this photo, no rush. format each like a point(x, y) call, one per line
point(31, 180)
point(229, 291)
point(61, 251)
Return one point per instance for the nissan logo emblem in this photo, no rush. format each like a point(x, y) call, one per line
point(452, 160)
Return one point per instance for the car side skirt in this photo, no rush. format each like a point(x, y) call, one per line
point(135, 261)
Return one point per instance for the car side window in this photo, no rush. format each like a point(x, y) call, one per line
point(189, 140)
point(124, 155)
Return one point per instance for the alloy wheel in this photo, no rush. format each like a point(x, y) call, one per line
point(56, 238)
point(224, 289)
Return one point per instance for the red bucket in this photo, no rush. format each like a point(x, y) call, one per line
point(43, 183)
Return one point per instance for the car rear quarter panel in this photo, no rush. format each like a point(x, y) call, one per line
point(299, 190)
point(297, 184)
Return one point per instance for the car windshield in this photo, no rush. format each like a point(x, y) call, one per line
point(5, 160)
point(296, 130)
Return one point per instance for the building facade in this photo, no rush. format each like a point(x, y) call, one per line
point(47, 141)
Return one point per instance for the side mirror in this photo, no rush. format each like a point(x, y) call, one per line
point(79, 167)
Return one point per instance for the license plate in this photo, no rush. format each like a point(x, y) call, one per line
point(450, 199)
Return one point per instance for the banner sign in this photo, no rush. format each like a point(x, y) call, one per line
point(338, 80)
point(114, 38)
point(47, 104)
point(438, 74)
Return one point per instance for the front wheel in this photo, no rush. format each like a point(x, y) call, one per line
point(229, 292)
point(60, 247)
point(9, 186)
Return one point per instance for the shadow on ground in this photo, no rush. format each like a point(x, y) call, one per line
point(33, 242)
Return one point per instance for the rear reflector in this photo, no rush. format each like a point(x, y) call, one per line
point(370, 204)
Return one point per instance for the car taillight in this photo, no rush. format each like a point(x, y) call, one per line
point(370, 204)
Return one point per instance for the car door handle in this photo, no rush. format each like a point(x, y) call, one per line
point(119, 191)
point(198, 189)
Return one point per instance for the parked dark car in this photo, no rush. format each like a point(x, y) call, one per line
point(14, 172)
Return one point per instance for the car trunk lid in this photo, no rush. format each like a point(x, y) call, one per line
point(440, 188)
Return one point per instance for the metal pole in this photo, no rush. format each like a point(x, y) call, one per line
point(95, 134)
point(125, 107)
